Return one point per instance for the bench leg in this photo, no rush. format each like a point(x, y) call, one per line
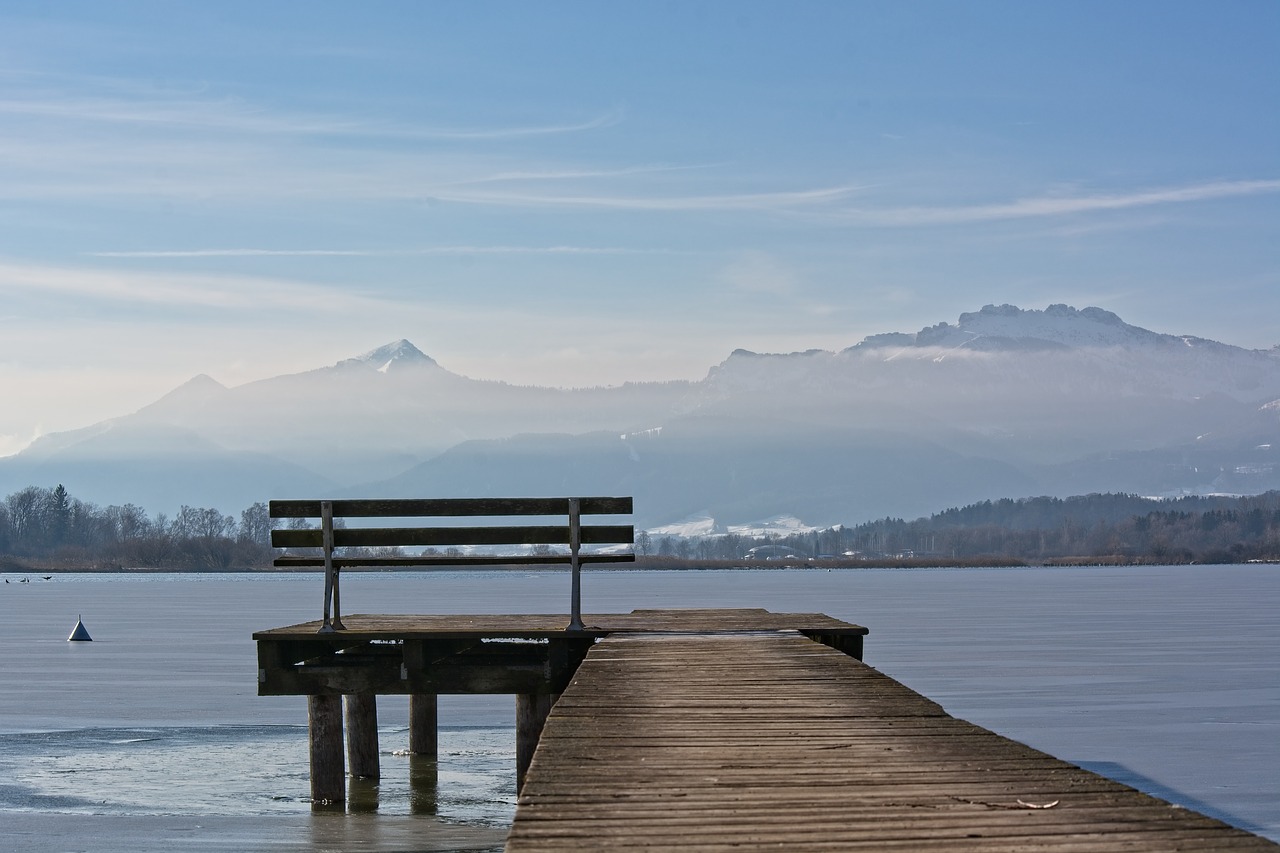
point(326, 626)
point(337, 603)
point(331, 597)
point(330, 572)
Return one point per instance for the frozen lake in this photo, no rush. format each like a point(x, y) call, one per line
point(1162, 677)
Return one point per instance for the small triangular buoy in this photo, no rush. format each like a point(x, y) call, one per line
point(80, 633)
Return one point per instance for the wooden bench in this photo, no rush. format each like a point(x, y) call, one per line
point(368, 545)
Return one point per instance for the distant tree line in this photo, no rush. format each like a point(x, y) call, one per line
point(1099, 528)
point(1111, 528)
point(50, 528)
point(47, 527)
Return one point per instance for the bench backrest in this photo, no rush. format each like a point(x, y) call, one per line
point(329, 537)
point(489, 536)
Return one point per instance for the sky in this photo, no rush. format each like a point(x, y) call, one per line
point(578, 194)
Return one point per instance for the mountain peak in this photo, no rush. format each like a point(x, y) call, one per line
point(198, 392)
point(394, 355)
point(200, 388)
point(1059, 324)
point(1008, 327)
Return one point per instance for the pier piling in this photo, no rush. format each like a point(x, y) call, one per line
point(328, 773)
point(531, 714)
point(362, 735)
point(423, 738)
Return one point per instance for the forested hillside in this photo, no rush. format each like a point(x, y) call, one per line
point(1091, 528)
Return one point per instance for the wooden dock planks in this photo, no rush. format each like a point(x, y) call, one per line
point(458, 653)
point(766, 740)
point(363, 627)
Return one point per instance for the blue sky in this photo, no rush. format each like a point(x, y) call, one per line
point(586, 193)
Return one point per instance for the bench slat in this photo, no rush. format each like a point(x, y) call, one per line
point(459, 507)
point(373, 537)
point(441, 560)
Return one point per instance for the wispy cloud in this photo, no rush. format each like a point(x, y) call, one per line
point(604, 120)
point(235, 115)
point(1060, 205)
point(236, 253)
point(231, 293)
point(380, 253)
point(786, 199)
point(578, 174)
point(96, 137)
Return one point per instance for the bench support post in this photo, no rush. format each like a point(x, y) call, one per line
point(330, 572)
point(575, 564)
point(362, 735)
point(324, 728)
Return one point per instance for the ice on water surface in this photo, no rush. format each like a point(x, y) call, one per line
point(1162, 677)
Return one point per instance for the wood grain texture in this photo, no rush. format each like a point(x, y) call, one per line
point(767, 740)
point(466, 561)
point(450, 507)
point(324, 732)
point(542, 534)
point(423, 719)
point(366, 627)
point(362, 735)
point(497, 533)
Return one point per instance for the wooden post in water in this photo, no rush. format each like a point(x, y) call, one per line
point(423, 740)
point(362, 735)
point(424, 785)
point(424, 748)
point(531, 713)
point(328, 773)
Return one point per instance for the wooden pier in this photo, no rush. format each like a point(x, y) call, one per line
point(719, 730)
point(530, 656)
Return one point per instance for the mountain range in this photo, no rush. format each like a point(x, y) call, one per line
point(1006, 402)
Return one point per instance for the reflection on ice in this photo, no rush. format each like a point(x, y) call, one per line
point(250, 770)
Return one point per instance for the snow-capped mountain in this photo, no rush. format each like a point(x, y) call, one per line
point(1089, 351)
point(1004, 403)
point(398, 355)
point(1006, 327)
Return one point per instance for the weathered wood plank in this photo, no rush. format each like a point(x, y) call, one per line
point(450, 507)
point(1096, 843)
point(770, 741)
point(543, 534)
point(461, 560)
point(363, 628)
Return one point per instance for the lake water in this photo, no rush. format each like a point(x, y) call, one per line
point(152, 737)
